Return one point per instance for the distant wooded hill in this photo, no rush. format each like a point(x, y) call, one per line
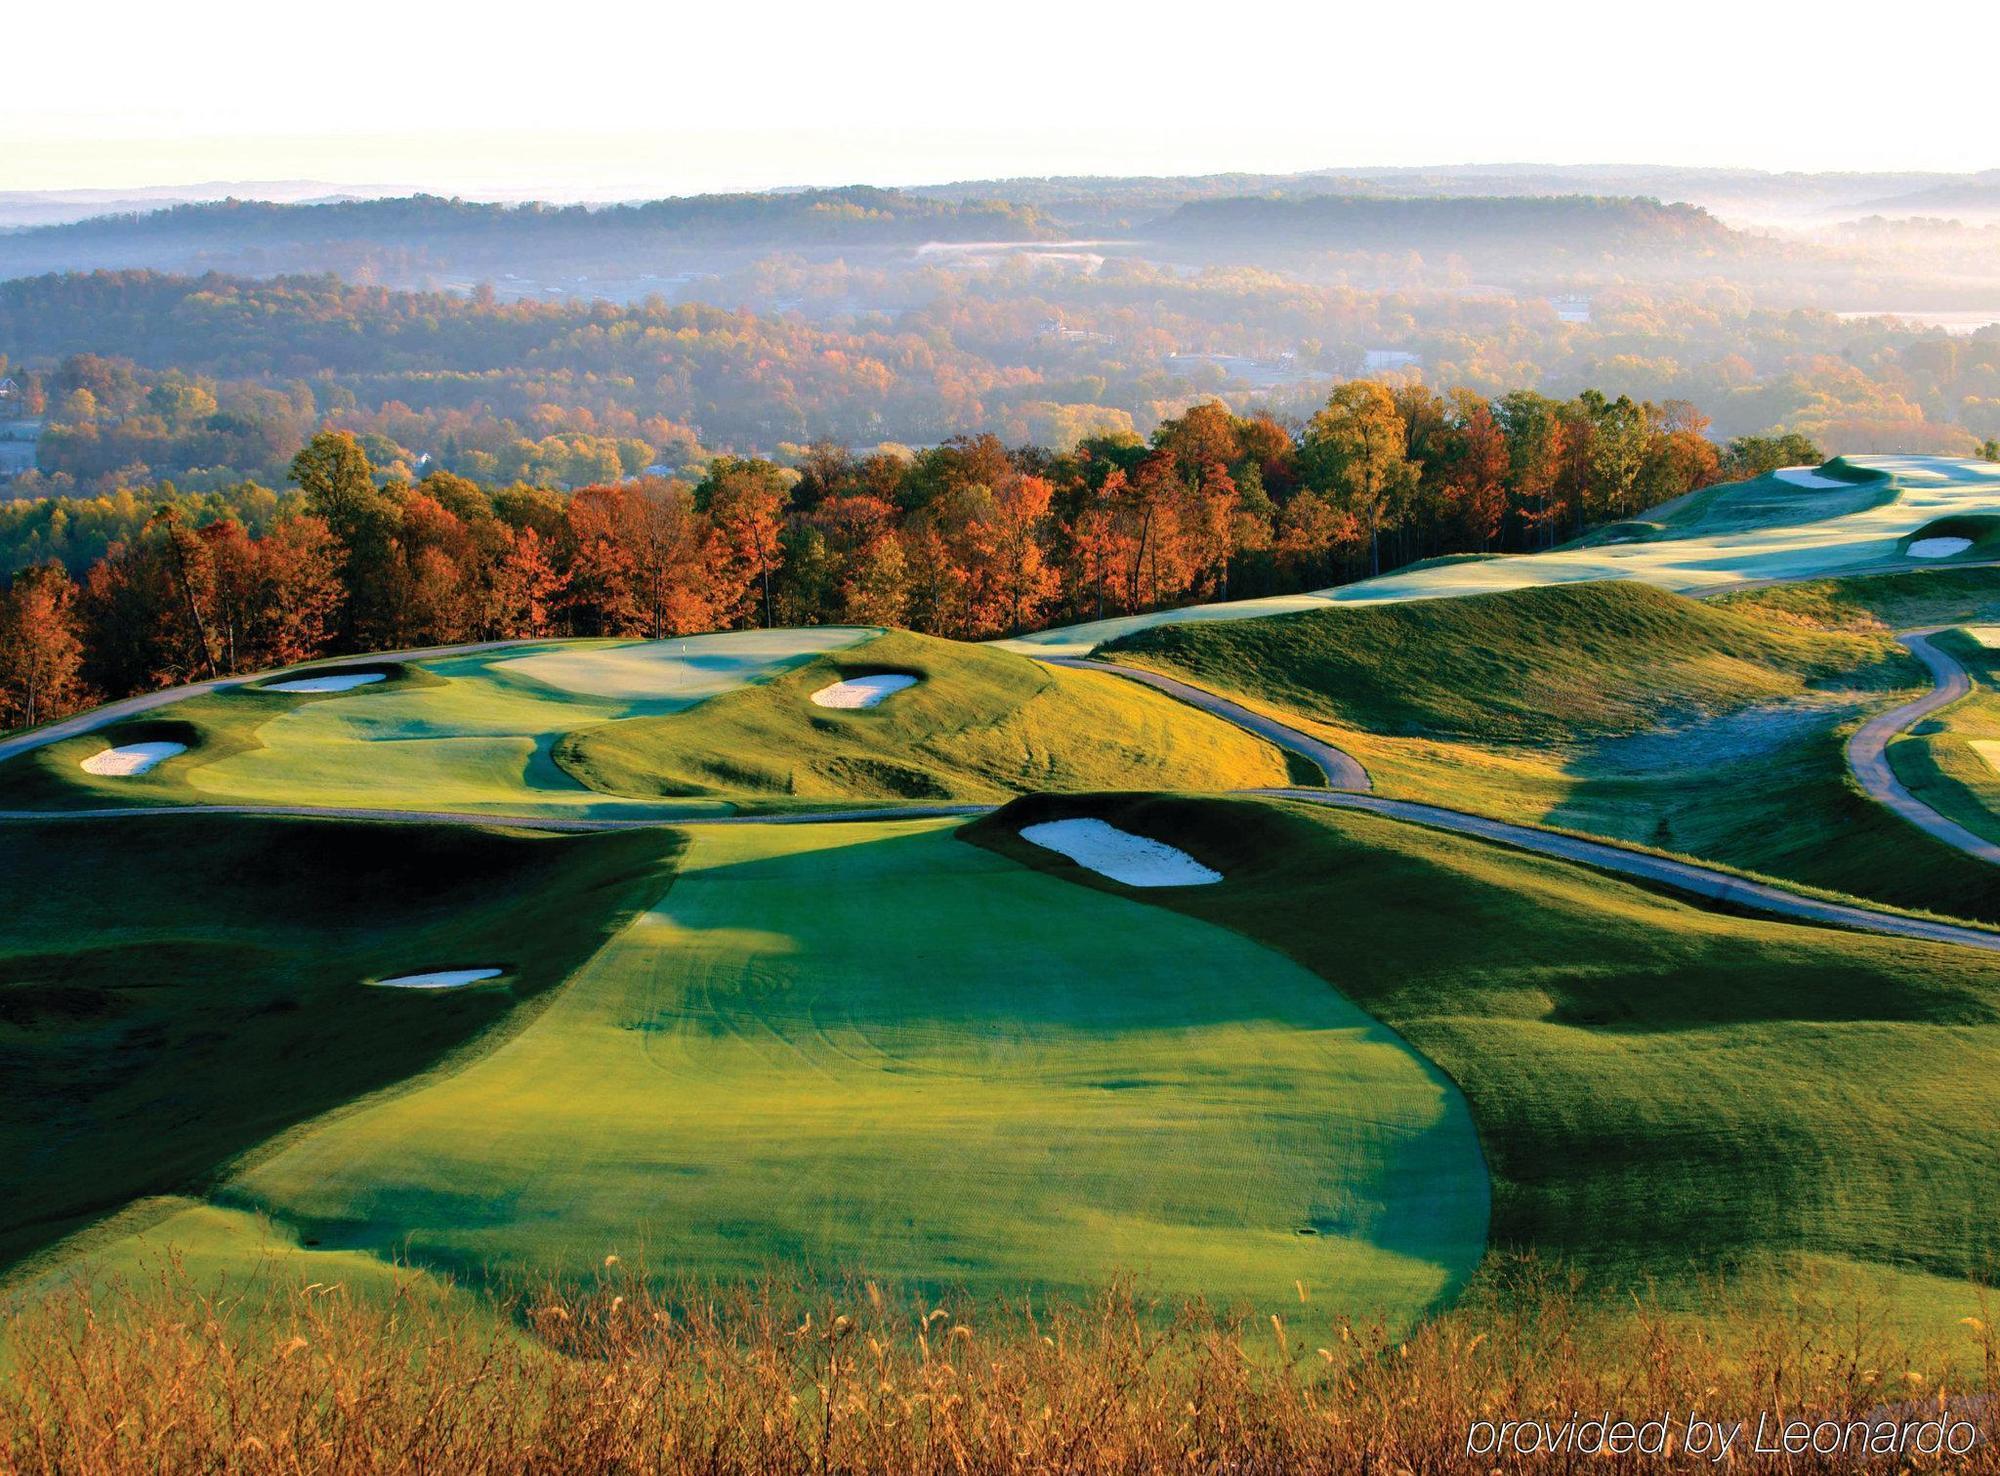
point(466, 236)
point(1351, 222)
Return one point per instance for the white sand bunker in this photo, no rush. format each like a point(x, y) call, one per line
point(1987, 635)
point(862, 691)
point(1119, 854)
point(131, 758)
point(1938, 548)
point(1805, 476)
point(346, 681)
point(439, 979)
point(1988, 749)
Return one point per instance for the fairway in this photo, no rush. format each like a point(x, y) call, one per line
point(876, 1048)
point(1666, 1095)
point(176, 988)
point(1764, 529)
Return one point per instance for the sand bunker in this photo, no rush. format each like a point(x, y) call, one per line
point(346, 681)
point(862, 691)
point(1805, 476)
point(1988, 749)
point(132, 758)
point(439, 979)
point(1938, 548)
point(1119, 854)
point(1987, 635)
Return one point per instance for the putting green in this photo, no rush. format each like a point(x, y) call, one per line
point(468, 734)
point(1865, 531)
point(683, 671)
point(877, 1048)
point(477, 742)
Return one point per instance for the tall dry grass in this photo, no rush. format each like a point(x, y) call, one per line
point(619, 1376)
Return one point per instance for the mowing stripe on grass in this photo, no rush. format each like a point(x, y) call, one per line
point(876, 1048)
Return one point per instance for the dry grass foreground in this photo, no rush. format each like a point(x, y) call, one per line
point(610, 1376)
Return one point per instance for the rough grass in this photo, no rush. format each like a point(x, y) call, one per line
point(1538, 665)
point(617, 1375)
point(1765, 791)
point(1877, 602)
point(873, 1047)
point(981, 724)
point(1660, 1090)
point(175, 990)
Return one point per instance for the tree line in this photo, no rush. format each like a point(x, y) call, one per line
point(969, 539)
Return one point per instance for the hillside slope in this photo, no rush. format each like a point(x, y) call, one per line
point(1663, 1092)
point(1554, 664)
point(979, 724)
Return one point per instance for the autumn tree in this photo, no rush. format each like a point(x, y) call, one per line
point(339, 485)
point(744, 502)
point(41, 648)
point(1355, 449)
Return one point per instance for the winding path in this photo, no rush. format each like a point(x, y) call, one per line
point(1868, 749)
point(1691, 877)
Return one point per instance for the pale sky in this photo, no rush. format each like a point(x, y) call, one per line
point(594, 100)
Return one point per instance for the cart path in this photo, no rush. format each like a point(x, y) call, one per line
point(1342, 769)
point(1868, 749)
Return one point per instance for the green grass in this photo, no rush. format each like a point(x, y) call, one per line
point(1744, 507)
point(981, 724)
point(660, 729)
point(1875, 602)
point(472, 734)
point(1529, 666)
point(873, 1048)
point(175, 990)
point(1663, 1093)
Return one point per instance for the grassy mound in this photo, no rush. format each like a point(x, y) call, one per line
point(980, 724)
point(1876, 602)
point(1660, 1090)
point(873, 1049)
point(1980, 530)
point(1744, 507)
point(1534, 665)
point(175, 990)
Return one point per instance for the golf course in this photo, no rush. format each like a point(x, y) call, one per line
point(1333, 949)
